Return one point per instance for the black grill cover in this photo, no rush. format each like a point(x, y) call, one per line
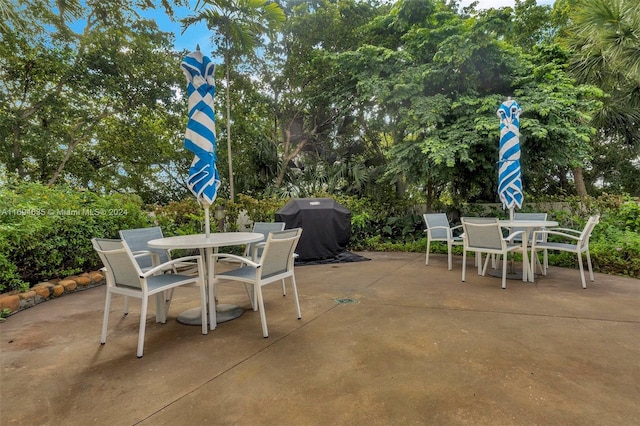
point(326, 226)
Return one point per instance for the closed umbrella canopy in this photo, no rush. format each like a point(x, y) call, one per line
point(509, 175)
point(200, 136)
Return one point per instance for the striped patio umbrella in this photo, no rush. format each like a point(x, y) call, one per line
point(200, 136)
point(509, 175)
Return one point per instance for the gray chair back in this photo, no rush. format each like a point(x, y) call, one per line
point(277, 257)
point(263, 228)
point(137, 240)
point(432, 220)
point(121, 269)
point(528, 216)
point(482, 233)
point(588, 229)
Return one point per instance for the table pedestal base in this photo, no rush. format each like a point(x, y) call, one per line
point(224, 313)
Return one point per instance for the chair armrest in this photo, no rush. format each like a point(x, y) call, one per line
point(556, 231)
point(459, 229)
point(142, 253)
point(437, 227)
point(566, 230)
point(169, 265)
point(433, 228)
point(241, 259)
point(513, 235)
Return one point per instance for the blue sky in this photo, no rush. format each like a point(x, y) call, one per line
point(198, 34)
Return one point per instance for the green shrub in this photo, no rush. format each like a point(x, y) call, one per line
point(182, 217)
point(47, 231)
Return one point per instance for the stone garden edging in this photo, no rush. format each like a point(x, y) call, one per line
point(17, 301)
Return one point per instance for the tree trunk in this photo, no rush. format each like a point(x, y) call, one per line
point(288, 154)
point(429, 194)
point(578, 178)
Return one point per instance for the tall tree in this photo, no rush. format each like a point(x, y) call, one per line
point(238, 26)
point(75, 102)
point(320, 131)
point(604, 38)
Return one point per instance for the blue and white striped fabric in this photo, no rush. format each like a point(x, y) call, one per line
point(509, 175)
point(200, 137)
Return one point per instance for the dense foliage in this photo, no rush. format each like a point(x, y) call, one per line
point(45, 232)
point(371, 98)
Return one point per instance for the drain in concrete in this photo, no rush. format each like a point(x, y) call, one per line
point(346, 300)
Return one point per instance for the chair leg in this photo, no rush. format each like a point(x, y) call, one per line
point(486, 263)
point(284, 288)
point(203, 303)
point(526, 264)
point(143, 324)
point(295, 295)
point(589, 264)
point(263, 316)
point(539, 264)
point(161, 308)
point(251, 293)
point(426, 262)
point(584, 282)
point(464, 263)
point(105, 318)
point(126, 305)
point(212, 307)
point(449, 248)
point(504, 271)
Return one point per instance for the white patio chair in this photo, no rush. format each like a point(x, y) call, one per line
point(581, 245)
point(439, 229)
point(147, 257)
point(484, 235)
point(478, 255)
point(275, 264)
point(125, 277)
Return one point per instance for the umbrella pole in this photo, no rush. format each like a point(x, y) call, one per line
point(207, 225)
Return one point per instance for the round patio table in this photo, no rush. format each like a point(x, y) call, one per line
point(206, 244)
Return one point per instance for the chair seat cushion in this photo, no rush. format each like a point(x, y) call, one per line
point(558, 246)
point(155, 282)
point(243, 272)
point(246, 272)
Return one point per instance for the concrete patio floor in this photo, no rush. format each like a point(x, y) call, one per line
point(415, 346)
